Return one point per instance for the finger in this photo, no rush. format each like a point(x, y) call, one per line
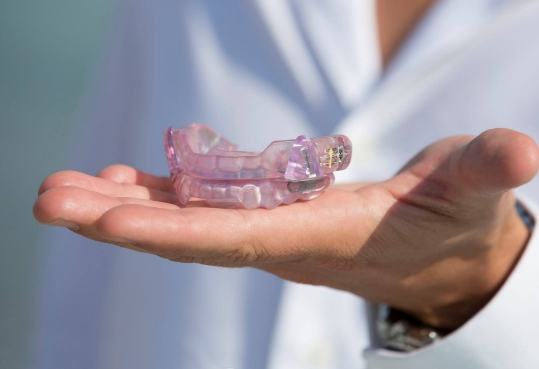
point(495, 161)
point(120, 173)
point(148, 203)
point(79, 208)
point(104, 186)
point(237, 237)
point(72, 206)
point(204, 233)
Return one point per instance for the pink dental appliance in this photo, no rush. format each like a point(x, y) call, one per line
point(205, 165)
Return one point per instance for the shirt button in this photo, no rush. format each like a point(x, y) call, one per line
point(320, 355)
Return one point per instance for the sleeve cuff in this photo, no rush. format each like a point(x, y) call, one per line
point(500, 335)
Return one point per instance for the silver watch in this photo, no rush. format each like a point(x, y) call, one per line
point(399, 331)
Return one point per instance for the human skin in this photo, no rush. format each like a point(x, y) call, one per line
point(436, 240)
point(396, 19)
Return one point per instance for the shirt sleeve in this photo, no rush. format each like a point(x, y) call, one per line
point(499, 336)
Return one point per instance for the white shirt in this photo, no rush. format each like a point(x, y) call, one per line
point(264, 70)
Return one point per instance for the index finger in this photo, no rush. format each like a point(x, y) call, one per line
point(125, 174)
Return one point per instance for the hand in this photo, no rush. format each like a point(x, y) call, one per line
point(436, 240)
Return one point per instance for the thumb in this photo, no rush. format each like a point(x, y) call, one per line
point(496, 161)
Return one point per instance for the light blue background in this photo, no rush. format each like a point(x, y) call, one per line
point(49, 53)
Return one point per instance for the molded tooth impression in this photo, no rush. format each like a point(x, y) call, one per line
point(204, 165)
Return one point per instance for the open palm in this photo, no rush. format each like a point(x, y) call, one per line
point(416, 237)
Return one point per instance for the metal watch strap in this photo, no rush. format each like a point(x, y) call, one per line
point(399, 331)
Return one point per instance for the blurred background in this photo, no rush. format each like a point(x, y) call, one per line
point(49, 53)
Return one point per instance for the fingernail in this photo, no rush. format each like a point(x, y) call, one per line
point(66, 224)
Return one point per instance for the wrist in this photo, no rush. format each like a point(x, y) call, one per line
point(485, 274)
